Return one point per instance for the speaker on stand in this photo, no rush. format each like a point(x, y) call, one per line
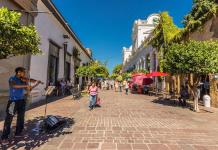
point(51, 123)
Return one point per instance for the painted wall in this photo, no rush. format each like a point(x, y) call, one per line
point(49, 29)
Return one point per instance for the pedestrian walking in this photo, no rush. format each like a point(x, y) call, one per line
point(17, 102)
point(112, 84)
point(126, 86)
point(93, 91)
point(183, 95)
point(63, 87)
point(116, 86)
point(120, 86)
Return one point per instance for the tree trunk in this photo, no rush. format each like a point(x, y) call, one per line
point(195, 94)
point(193, 84)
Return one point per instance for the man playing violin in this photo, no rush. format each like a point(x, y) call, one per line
point(18, 84)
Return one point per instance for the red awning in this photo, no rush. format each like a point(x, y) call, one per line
point(157, 74)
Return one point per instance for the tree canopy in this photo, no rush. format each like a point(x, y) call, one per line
point(93, 70)
point(193, 58)
point(197, 57)
point(15, 38)
point(117, 69)
point(164, 32)
point(202, 11)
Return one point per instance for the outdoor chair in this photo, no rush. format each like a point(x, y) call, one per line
point(76, 93)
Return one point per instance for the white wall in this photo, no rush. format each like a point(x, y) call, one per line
point(142, 29)
point(48, 28)
point(126, 53)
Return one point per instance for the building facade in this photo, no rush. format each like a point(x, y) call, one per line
point(62, 51)
point(139, 56)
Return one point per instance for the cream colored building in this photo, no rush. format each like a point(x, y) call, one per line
point(139, 56)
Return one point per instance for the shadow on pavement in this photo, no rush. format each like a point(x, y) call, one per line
point(170, 102)
point(33, 139)
point(50, 99)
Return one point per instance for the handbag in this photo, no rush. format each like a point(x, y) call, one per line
point(98, 101)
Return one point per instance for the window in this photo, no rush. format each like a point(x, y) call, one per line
point(67, 66)
point(53, 64)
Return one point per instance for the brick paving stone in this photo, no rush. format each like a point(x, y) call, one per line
point(108, 146)
point(126, 122)
point(140, 147)
point(174, 147)
point(92, 145)
point(78, 146)
point(66, 145)
point(200, 147)
point(157, 147)
point(124, 147)
point(187, 147)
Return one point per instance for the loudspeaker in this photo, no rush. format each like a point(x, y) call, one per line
point(52, 123)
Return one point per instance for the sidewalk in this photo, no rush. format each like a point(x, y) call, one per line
point(123, 123)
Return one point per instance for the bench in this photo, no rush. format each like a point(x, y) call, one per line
point(76, 93)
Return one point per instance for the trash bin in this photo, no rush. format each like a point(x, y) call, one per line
point(206, 99)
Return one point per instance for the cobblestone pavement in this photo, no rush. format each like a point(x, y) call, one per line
point(133, 122)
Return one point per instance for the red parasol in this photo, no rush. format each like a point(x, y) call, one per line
point(157, 74)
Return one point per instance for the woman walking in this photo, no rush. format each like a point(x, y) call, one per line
point(116, 85)
point(126, 86)
point(93, 91)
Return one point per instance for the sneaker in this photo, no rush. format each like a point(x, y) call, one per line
point(91, 108)
point(19, 135)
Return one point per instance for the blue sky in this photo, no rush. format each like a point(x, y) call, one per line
point(105, 25)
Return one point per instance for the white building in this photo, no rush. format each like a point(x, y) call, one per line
point(140, 56)
point(62, 52)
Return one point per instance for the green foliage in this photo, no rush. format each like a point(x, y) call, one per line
point(194, 57)
point(126, 75)
point(119, 78)
point(164, 31)
point(83, 71)
point(93, 70)
point(114, 76)
point(202, 11)
point(140, 71)
point(117, 69)
point(16, 39)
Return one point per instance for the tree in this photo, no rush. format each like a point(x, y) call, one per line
point(16, 39)
point(163, 33)
point(93, 70)
point(126, 75)
point(113, 76)
point(117, 69)
point(194, 58)
point(202, 11)
point(140, 71)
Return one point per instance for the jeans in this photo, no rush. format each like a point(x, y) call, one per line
point(92, 100)
point(19, 108)
point(127, 90)
point(120, 88)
